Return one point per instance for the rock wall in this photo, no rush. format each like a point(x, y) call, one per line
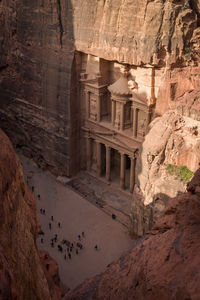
point(36, 64)
point(173, 138)
point(134, 32)
point(21, 273)
point(40, 109)
point(161, 265)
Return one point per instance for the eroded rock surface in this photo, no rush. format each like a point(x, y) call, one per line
point(164, 264)
point(135, 32)
point(22, 275)
point(172, 139)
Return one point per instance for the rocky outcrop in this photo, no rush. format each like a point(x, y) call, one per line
point(172, 139)
point(162, 265)
point(189, 105)
point(21, 275)
point(174, 85)
point(51, 272)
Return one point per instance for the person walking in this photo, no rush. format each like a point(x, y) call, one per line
point(55, 237)
point(51, 218)
point(59, 224)
point(50, 226)
point(69, 255)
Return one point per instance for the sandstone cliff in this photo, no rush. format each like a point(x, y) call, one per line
point(172, 139)
point(164, 264)
point(21, 275)
point(135, 32)
point(39, 76)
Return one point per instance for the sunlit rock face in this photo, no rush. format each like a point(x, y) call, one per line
point(40, 103)
point(134, 32)
point(172, 139)
point(22, 275)
point(163, 264)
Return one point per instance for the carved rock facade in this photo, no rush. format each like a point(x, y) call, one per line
point(64, 99)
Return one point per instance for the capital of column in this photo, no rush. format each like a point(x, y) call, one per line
point(132, 156)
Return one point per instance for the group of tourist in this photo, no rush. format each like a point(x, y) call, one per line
point(64, 246)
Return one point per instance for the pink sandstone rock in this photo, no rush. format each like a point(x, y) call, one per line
point(21, 273)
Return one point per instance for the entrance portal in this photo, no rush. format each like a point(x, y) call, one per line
point(115, 166)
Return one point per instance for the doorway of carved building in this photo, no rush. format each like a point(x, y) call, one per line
point(127, 171)
point(103, 160)
point(115, 166)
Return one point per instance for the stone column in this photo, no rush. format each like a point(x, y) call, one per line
point(98, 158)
point(122, 171)
point(98, 108)
point(122, 117)
point(87, 104)
point(108, 150)
point(88, 152)
point(135, 122)
point(113, 112)
point(132, 174)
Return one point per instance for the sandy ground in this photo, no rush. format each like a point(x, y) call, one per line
point(75, 214)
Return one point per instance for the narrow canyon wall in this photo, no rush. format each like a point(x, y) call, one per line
point(164, 264)
point(36, 62)
point(21, 273)
point(40, 107)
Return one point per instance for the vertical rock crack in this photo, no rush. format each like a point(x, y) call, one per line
point(59, 11)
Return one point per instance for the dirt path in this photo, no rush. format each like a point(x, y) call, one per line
point(75, 215)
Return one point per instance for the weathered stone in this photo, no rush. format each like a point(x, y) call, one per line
point(18, 229)
point(172, 139)
point(135, 32)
